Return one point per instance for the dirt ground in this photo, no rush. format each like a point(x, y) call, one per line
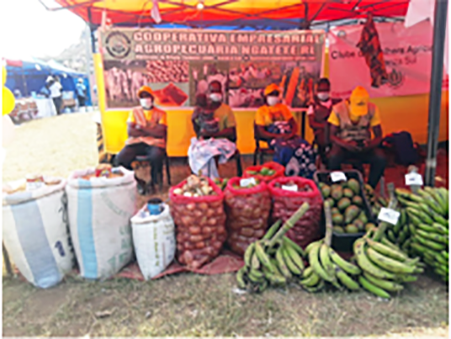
point(188, 304)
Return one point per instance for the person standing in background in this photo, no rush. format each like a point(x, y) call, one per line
point(318, 113)
point(55, 89)
point(81, 93)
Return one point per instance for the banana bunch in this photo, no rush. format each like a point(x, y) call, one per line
point(399, 234)
point(375, 202)
point(385, 267)
point(429, 226)
point(274, 260)
point(325, 265)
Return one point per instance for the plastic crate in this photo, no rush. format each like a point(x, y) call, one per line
point(344, 241)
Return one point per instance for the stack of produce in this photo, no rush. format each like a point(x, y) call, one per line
point(247, 211)
point(288, 193)
point(400, 234)
point(348, 207)
point(265, 172)
point(326, 265)
point(274, 260)
point(198, 212)
point(429, 226)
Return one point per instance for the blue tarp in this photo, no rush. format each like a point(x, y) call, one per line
point(31, 77)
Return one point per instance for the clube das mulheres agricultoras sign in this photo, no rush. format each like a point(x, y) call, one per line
point(179, 65)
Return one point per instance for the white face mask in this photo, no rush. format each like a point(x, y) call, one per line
point(272, 101)
point(323, 96)
point(216, 97)
point(146, 102)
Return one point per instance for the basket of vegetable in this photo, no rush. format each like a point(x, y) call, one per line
point(351, 213)
point(248, 205)
point(198, 212)
point(265, 172)
point(287, 195)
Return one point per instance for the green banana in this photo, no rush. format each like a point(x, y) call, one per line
point(430, 201)
point(346, 280)
point(291, 244)
point(263, 286)
point(311, 281)
point(444, 254)
point(419, 214)
point(418, 248)
point(255, 276)
point(433, 237)
point(309, 246)
point(365, 264)
point(387, 251)
point(293, 260)
point(263, 257)
point(325, 259)
point(439, 219)
point(275, 279)
point(316, 288)
point(429, 243)
point(405, 246)
point(389, 264)
point(255, 262)
point(281, 264)
point(415, 220)
point(427, 228)
point(404, 234)
point(441, 260)
point(373, 288)
point(391, 236)
point(344, 264)
point(307, 272)
point(272, 230)
point(240, 278)
point(248, 254)
point(406, 278)
point(440, 228)
point(313, 256)
point(388, 243)
point(390, 286)
point(402, 220)
point(412, 229)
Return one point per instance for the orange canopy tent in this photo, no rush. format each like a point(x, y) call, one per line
point(260, 14)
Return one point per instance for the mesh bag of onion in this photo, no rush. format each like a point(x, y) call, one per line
point(247, 213)
point(200, 224)
point(287, 195)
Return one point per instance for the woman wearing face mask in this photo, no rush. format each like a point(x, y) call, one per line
point(215, 127)
point(276, 125)
point(318, 113)
point(146, 128)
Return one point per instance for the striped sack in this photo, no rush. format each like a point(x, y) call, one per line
point(36, 236)
point(100, 210)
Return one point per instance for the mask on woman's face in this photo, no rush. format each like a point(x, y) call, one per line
point(272, 100)
point(146, 103)
point(216, 97)
point(323, 96)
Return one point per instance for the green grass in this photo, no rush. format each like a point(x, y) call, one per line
point(193, 305)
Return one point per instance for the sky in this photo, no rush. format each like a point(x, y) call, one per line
point(29, 30)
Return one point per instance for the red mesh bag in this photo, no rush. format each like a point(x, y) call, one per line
point(278, 168)
point(247, 214)
point(200, 226)
point(285, 203)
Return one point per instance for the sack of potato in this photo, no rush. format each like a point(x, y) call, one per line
point(247, 204)
point(266, 172)
point(287, 195)
point(198, 212)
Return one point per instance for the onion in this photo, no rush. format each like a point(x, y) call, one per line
point(212, 221)
point(203, 206)
point(191, 206)
point(178, 191)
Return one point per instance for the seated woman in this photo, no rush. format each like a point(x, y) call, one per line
point(276, 125)
point(214, 124)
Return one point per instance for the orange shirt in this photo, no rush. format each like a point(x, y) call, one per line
point(147, 118)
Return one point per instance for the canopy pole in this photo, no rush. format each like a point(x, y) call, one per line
point(435, 95)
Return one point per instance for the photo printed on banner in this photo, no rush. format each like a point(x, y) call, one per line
point(167, 78)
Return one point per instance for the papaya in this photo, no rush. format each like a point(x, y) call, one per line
point(369, 190)
point(338, 229)
point(337, 193)
point(369, 226)
point(357, 200)
point(354, 185)
point(359, 224)
point(362, 217)
point(337, 219)
point(334, 210)
point(351, 229)
point(321, 185)
point(348, 193)
point(351, 213)
point(325, 191)
point(343, 204)
point(264, 171)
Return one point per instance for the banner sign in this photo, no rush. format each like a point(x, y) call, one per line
point(179, 64)
point(407, 53)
